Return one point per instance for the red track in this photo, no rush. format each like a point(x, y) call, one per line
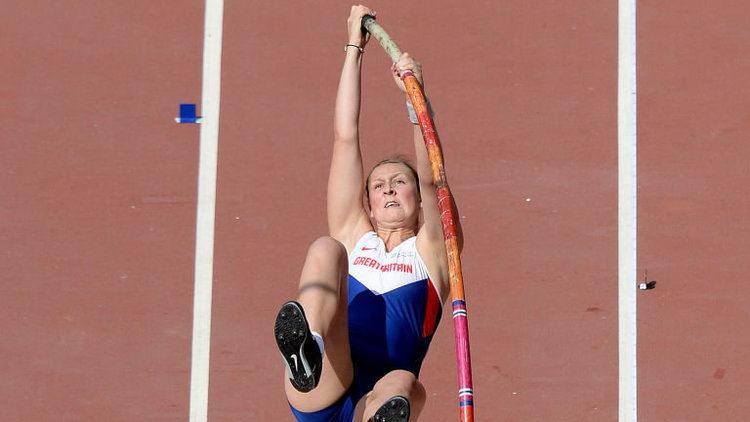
point(98, 202)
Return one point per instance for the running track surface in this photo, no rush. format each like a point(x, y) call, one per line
point(98, 201)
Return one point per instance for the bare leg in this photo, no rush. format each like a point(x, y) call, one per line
point(323, 296)
point(394, 383)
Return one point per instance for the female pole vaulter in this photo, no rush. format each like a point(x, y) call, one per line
point(370, 294)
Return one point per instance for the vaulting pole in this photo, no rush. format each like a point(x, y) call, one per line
point(447, 217)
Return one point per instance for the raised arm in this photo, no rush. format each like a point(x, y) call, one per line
point(347, 219)
point(432, 227)
point(430, 241)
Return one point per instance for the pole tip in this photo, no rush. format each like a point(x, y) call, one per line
point(367, 20)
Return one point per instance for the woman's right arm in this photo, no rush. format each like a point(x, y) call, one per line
point(347, 219)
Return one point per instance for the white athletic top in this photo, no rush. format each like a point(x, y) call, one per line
point(381, 271)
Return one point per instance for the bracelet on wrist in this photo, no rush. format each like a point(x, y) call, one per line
point(361, 50)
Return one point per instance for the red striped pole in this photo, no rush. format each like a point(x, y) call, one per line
point(447, 217)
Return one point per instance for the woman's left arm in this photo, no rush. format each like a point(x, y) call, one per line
point(430, 241)
point(433, 225)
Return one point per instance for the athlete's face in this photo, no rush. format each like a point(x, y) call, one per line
point(394, 199)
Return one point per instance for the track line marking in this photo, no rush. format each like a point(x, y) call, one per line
point(627, 222)
point(206, 209)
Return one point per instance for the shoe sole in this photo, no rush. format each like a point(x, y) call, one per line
point(394, 410)
point(298, 349)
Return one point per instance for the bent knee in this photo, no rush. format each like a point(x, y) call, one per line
point(400, 382)
point(327, 247)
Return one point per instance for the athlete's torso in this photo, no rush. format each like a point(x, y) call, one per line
point(394, 307)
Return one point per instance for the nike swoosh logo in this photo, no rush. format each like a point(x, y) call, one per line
point(368, 249)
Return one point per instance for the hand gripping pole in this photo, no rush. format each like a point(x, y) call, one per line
point(447, 217)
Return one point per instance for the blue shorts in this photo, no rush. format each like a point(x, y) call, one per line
point(343, 409)
point(340, 411)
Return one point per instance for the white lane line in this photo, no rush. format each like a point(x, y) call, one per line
point(627, 211)
point(204, 239)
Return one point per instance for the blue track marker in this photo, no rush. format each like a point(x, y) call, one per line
point(187, 114)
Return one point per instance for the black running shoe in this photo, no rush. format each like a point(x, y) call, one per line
point(394, 410)
point(298, 347)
